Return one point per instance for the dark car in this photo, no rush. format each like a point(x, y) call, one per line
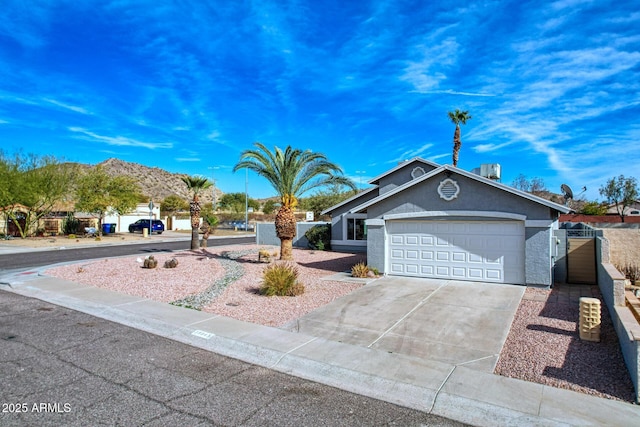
point(158, 226)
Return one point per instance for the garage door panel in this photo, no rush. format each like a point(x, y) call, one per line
point(442, 256)
point(411, 254)
point(493, 274)
point(397, 254)
point(427, 240)
point(412, 268)
point(459, 273)
point(427, 270)
point(472, 250)
point(411, 240)
point(475, 258)
point(397, 239)
point(443, 271)
point(427, 255)
point(476, 273)
point(459, 257)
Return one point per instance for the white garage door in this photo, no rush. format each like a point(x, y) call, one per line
point(491, 251)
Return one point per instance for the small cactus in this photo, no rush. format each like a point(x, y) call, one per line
point(171, 263)
point(150, 262)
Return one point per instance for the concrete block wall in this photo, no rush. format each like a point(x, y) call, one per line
point(266, 234)
point(611, 283)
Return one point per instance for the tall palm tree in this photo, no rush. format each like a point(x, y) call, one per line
point(291, 172)
point(195, 184)
point(458, 117)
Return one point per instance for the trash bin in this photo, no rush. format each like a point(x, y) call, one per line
point(112, 228)
point(105, 228)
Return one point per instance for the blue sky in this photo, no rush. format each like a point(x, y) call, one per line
point(553, 87)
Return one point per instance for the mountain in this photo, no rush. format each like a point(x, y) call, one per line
point(155, 183)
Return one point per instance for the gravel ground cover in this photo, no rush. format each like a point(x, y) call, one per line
point(544, 346)
point(220, 280)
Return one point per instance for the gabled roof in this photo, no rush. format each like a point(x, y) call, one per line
point(350, 199)
point(444, 168)
point(400, 165)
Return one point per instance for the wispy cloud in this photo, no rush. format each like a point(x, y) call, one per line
point(119, 140)
point(69, 107)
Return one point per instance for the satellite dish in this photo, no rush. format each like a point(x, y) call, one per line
point(568, 193)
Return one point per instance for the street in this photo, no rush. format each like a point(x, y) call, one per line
point(63, 367)
point(39, 258)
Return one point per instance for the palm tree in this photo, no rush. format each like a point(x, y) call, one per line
point(458, 117)
point(196, 184)
point(291, 172)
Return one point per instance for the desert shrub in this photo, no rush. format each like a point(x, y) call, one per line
point(281, 279)
point(630, 271)
point(71, 224)
point(319, 237)
point(360, 270)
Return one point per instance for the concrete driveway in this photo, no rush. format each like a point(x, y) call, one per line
point(461, 323)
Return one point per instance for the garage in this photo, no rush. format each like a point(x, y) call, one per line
point(490, 251)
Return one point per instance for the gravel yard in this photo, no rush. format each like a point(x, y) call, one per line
point(220, 280)
point(543, 345)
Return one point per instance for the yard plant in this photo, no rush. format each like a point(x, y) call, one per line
point(281, 279)
point(292, 173)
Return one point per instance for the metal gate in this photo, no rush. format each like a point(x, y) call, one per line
point(581, 260)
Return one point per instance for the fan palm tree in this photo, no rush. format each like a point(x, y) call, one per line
point(291, 172)
point(458, 117)
point(195, 184)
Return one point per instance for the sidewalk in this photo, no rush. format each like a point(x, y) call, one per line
point(457, 392)
point(62, 243)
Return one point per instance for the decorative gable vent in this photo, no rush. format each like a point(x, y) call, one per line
point(416, 172)
point(448, 189)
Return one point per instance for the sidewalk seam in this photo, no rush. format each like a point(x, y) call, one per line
point(291, 351)
point(417, 306)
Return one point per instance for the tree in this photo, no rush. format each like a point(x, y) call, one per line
point(174, 203)
point(324, 199)
point(292, 173)
point(209, 224)
point(197, 185)
point(593, 208)
point(236, 202)
point(534, 186)
point(30, 187)
point(620, 192)
point(456, 118)
point(269, 206)
point(99, 193)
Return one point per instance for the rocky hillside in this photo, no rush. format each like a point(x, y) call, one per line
point(154, 182)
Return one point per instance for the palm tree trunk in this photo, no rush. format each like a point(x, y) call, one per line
point(194, 208)
point(286, 230)
point(456, 145)
point(205, 237)
point(286, 249)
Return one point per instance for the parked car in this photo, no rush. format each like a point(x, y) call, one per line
point(158, 226)
point(240, 225)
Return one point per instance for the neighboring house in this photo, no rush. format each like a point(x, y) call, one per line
point(123, 221)
point(633, 209)
point(428, 220)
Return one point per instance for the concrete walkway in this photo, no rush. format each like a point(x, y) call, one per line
point(458, 323)
point(454, 388)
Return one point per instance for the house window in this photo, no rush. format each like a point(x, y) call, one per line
point(356, 229)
